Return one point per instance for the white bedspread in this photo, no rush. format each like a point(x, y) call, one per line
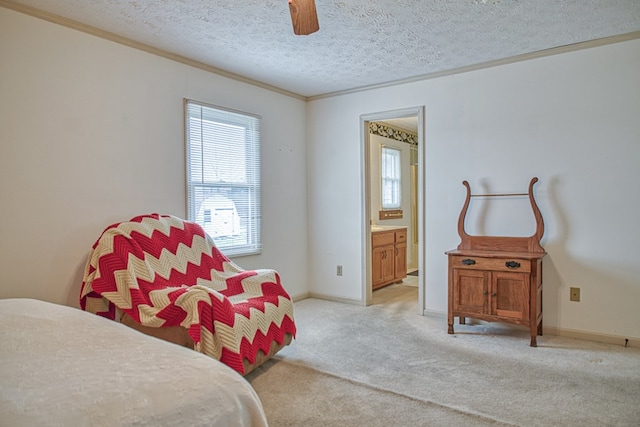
point(63, 366)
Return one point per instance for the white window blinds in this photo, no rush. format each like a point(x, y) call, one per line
point(223, 176)
point(390, 173)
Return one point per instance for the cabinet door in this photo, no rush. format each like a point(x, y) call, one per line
point(470, 290)
point(376, 267)
point(388, 264)
point(382, 265)
point(510, 295)
point(401, 261)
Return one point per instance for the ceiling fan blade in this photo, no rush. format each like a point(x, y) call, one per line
point(304, 17)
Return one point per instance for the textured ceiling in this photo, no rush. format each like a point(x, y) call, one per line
point(360, 42)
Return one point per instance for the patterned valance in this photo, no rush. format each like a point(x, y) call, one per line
point(393, 133)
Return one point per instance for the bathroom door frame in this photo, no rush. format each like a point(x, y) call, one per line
point(365, 155)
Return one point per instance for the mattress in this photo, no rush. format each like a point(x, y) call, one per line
point(64, 366)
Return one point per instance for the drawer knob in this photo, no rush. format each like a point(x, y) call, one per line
point(512, 264)
point(468, 261)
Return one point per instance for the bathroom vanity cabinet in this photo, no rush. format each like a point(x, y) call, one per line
point(389, 256)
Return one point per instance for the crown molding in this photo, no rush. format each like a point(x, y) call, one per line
point(489, 64)
point(75, 25)
point(197, 64)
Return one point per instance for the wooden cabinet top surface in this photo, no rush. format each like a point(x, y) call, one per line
point(386, 228)
point(496, 254)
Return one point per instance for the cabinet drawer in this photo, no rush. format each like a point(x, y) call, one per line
point(401, 236)
point(382, 238)
point(495, 264)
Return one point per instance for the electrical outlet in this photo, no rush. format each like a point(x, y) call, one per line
point(339, 270)
point(574, 294)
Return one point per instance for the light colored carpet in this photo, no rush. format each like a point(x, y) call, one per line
point(296, 395)
point(386, 365)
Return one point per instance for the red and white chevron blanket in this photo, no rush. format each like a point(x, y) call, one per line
point(164, 271)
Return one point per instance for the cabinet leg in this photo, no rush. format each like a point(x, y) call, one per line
point(534, 342)
point(462, 320)
point(450, 328)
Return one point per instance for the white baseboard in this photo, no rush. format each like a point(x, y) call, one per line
point(592, 336)
point(335, 299)
point(435, 313)
point(561, 332)
point(547, 330)
point(300, 297)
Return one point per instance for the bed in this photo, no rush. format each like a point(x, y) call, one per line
point(63, 366)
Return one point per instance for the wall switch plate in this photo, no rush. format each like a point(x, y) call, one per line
point(339, 270)
point(574, 294)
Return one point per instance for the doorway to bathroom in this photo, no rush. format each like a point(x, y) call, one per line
point(382, 135)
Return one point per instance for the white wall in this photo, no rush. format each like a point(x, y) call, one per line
point(91, 133)
point(570, 119)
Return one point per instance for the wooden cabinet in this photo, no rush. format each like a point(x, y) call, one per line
point(400, 258)
point(496, 286)
point(389, 256)
point(497, 278)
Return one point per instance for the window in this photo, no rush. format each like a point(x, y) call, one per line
point(223, 176)
point(390, 173)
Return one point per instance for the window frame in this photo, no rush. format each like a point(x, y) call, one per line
point(237, 197)
point(395, 181)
